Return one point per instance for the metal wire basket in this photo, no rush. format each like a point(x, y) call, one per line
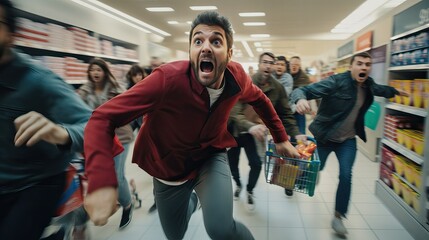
point(294, 174)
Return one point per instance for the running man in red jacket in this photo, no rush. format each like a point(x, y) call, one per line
point(182, 142)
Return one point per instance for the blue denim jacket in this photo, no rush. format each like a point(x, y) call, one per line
point(25, 87)
point(338, 94)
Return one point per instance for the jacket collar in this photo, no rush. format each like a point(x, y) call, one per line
point(231, 85)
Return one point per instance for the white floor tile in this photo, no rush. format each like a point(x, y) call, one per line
point(277, 216)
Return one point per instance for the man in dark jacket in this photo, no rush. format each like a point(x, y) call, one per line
point(300, 79)
point(345, 99)
point(41, 127)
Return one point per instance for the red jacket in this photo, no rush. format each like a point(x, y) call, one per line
point(180, 130)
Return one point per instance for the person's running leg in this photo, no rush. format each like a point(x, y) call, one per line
point(214, 190)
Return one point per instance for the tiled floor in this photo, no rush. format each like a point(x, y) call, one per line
point(277, 216)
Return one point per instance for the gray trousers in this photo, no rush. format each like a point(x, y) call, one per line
point(214, 189)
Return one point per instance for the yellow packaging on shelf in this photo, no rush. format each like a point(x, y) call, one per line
point(416, 201)
point(407, 85)
point(396, 182)
point(417, 142)
point(407, 193)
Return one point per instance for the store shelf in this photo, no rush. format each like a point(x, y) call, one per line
point(408, 184)
point(69, 51)
point(404, 151)
point(407, 109)
point(410, 50)
point(404, 213)
point(417, 67)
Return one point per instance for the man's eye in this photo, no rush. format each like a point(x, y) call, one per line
point(197, 42)
point(217, 43)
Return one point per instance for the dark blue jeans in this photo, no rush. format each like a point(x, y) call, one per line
point(247, 142)
point(346, 155)
point(26, 213)
point(300, 121)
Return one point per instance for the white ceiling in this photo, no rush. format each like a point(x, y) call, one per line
point(297, 27)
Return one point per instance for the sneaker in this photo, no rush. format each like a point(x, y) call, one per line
point(237, 193)
point(250, 202)
point(288, 192)
point(127, 215)
point(152, 208)
point(338, 226)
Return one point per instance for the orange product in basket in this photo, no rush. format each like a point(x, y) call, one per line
point(306, 150)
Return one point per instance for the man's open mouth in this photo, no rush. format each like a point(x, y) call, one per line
point(206, 67)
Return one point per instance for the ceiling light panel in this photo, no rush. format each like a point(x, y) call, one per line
point(203, 8)
point(253, 24)
point(252, 14)
point(160, 9)
point(260, 35)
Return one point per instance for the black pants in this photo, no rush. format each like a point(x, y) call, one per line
point(247, 142)
point(25, 214)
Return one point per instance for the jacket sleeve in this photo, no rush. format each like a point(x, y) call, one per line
point(383, 90)
point(264, 108)
point(66, 109)
point(286, 115)
point(100, 130)
point(237, 116)
point(315, 90)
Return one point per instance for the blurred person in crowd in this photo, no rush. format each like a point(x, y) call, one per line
point(41, 128)
point(155, 62)
point(280, 74)
point(101, 87)
point(345, 99)
point(251, 71)
point(300, 79)
point(250, 132)
point(183, 140)
point(135, 75)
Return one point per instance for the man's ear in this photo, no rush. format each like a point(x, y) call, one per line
point(229, 54)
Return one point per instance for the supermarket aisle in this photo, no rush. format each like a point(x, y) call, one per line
point(277, 216)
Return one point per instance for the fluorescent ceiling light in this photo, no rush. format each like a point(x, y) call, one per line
point(248, 50)
point(202, 8)
point(260, 35)
point(160, 9)
point(189, 22)
point(257, 44)
point(252, 14)
point(121, 17)
point(365, 14)
point(172, 22)
point(254, 24)
point(259, 49)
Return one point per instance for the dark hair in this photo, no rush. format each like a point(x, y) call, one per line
point(269, 54)
point(108, 76)
point(283, 58)
point(361, 54)
point(9, 14)
point(134, 70)
point(212, 18)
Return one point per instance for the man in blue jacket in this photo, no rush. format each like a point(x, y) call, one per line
point(41, 127)
point(345, 99)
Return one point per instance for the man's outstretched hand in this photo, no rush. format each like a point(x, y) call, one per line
point(101, 204)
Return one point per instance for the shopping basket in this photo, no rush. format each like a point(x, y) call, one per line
point(294, 174)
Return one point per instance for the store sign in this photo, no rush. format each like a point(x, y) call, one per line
point(379, 54)
point(346, 49)
point(364, 42)
point(411, 18)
